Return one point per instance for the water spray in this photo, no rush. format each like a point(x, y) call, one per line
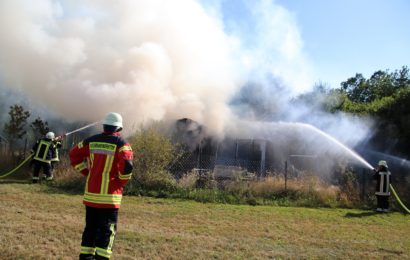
point(398, 160)
point(344, 147)
point(81, 128)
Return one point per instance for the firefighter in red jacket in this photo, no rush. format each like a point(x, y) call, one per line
point(382, 177)
point(106, 161)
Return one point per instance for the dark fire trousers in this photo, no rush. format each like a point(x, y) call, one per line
point(99, 233)
point(46, 170)
point(382, 201)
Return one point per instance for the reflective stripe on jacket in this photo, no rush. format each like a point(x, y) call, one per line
point(43, 150)
point(55, 157)
point(383, 183)
point(106, 160)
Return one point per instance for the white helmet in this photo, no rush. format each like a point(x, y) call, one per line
point(383, 163)
point(113, 119)
point(50, 135)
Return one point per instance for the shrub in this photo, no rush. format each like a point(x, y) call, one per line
point(160, 181)
point(349, 190)
point(188, 180)
point(154, 152)
point(268, 186)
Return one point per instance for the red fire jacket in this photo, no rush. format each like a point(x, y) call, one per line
point(106, 160)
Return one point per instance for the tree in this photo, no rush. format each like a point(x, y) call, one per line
point(402, 78)
point(386, 97)
point(39, 127)
point(15, 129)
point(357, 89)
point(382, 84)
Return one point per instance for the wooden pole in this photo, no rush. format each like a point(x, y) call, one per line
point(286, 175)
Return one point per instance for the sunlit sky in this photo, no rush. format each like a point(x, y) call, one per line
point(343, 37)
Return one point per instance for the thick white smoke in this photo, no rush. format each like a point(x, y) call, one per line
point(156, 60)
point(145, 59)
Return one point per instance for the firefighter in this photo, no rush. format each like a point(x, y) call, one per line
point(43, 151)
point(382, 177)
point(106, 161)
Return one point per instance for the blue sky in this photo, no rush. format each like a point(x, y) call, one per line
point(342, 37)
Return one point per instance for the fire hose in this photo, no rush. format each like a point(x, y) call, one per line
point(32, 154)
point(18, 167)
point(399, 200)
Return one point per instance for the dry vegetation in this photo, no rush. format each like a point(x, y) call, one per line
point(39, 222)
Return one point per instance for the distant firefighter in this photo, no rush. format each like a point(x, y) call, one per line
point(382, 177)
point(44, 150)
point(106, 160)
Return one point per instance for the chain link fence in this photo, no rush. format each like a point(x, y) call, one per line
point(225, 168)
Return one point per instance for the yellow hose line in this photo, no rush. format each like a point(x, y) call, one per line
point(398, 200)
point(18, 166)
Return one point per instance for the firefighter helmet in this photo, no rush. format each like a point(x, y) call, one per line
point(113, 119)
point(383, 163)
point(50, 135)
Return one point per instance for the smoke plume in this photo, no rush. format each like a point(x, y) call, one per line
point(161, 60)
point(144, 59)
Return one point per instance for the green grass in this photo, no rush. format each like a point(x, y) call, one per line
point(38, 222)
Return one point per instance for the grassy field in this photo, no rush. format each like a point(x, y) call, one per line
point(37, 222)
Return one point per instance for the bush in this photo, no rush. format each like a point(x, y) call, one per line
point(188, 180)
point(349, 190)
point(145, 183)
point(154, 152)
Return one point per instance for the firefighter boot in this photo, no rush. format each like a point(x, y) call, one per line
point(35, 179)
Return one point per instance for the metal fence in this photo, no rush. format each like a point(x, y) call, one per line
point(225, 168)
point(191, 161)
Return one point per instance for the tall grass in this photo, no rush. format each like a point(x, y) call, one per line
point(304, 191)
point(308, 190)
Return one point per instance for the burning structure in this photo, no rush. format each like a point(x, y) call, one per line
point(259, 156)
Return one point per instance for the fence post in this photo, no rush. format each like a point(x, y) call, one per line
point(286, 175)
point(236, 154)
point(363, 184)
point(198, 156)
